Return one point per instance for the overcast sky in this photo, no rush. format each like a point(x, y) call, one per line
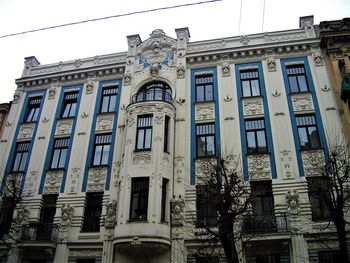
point(206, 21)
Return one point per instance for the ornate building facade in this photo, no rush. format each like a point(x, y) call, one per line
point(108, 150)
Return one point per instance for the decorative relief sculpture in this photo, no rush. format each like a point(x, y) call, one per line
point(205, 111)
point(271, 63)
point(89, 86)
point(177, 211)
point(225, 69)
point(313, 161)
point(26, 131)
point(30, 182)
point(158, 119)
point(204, 167)
point(244, 40)
point(253, 106)
point(127, 78)
point(105, 122)
point(22, 215)
point(292, 199)
point(74, 175)
point(180, 72)
point(110, 214)
point(259, 167)
point(154, 70)
point(142, 157)
point(302, 102)
point(64, 127)
point(286, 160)
point(97, 178)
point(317, 55)
point(52, 93)
point(16, 97)
point(66, 215)
point(53, 181)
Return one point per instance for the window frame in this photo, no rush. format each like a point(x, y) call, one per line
point(250, 79)
point(306, 127)
point(109, 96)
point(166, 134)
point(70, 100)
point(143, 127)
point(33, 109)
point(92, 212)
point(139, 196)
point(206, 207)
point(296, 75)
point(207, 133)
point(255, 130)
point(106, 141)
point(20, 153)
point(207, 85)
point(60, 149)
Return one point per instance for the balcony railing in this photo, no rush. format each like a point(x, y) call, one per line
point(265, 223)
point(152, 95)
point(43, 232)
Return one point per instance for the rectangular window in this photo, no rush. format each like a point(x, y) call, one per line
point(164, 200)
point(204, 88)
point(166, 134)
point(206, 206)
point(139, 198)
point(250, 83)
point(307, 131)
point(33, 108)
point(102, 149)
point(109, 98)
point(70, 104)
point(59, 153)
point(329, 256)
point(319, 197)
point(47, 215)
point(92, 213)
point(297, 78)
point(262, 197)
point(205, 139)
point(21, 157)
point(144, 133)
point(256, 136)
point(6, 214)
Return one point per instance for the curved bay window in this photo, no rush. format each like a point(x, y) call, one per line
point(153, 91)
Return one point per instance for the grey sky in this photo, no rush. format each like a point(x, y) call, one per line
point(213, 20)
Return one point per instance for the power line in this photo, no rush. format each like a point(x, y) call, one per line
point(109, 17)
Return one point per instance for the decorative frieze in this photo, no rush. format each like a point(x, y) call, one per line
point(97, 178)
point(259, 167)
point(313, 162)
point(26, 131)
point(64, 126)
point(204, 167)
point(205, 111)
point(53, 181)
point(104, 122)
point(253, 106)
point(302, 102)
point(142, 157)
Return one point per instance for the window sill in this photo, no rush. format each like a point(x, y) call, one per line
point(66, 118)
point(99, 166)
point(300, 92)
point(204, 101)
point(258, 153)
point(311, 149)
point(252, 97)
point(29, 122)
point(206, 157)
point(106, 113)
point(55, 169)
point(143, 150)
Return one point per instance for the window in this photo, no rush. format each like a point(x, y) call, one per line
point(21, 157)
point(166, 134)
point(86, 260)
point(250, 83)
point(109, 98)
point(101, 149)
point(206, 206)
point(329, 256)
point(297, 78)
point(92, 212)
point(205, 138)
point(204, 88)
point(164, 200)
point(33, 108)
point(139, 198)
point(262, 197)
point(256, 136)
point(319, 197)
point(59, 153)
point(6, 212)
point(70, 104)
point(47, 215)
point(154, 91)
point(144, 133)
point(307, 130)
point(207, 259)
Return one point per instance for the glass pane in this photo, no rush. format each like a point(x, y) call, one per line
point(30, 115)
point(246, 88)
point(112, 102)
point(314, 139)
point(36, 114)
point(200, 146)
point(140, 139)
point(66, 110)
point(23, 161)
point(210, 145)
point(303, 138)
point(72, 110)
point(105, 154)
point(97, 156)
point(261, 141)
point(255, 87)
point(55, 158)
point(148, 138)
point(200, 93)
point(293, 84)
point(209, 93)
point(251, 145)
point(302, 83)
point(62, 158)
point(104, 107)
point(17, 162)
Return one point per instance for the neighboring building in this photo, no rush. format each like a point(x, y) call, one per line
point(109, 149)
point(4, 110)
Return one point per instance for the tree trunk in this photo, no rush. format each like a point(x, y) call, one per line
point(343, 244)
point(228, 241)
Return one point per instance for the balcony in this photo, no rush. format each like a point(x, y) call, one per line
point(152, 95)
point(265, 224)
point(40, 232)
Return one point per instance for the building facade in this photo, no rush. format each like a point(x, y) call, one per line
point(107, 150)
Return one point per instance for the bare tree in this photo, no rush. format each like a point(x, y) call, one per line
point(230, 198)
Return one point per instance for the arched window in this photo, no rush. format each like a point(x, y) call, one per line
point(153, 91)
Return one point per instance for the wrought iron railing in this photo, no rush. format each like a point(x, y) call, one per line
point(44, 232)
point(265, 223)
point(151, 95)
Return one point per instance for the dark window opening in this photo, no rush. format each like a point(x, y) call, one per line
point(70, 104)
point(256, 136)
point(206, 206)
point(329, 256)
point(101, 149)
point(205, 139)
point(297, 78)
point(154, 91)
point(47, 216)
point(166, 134)
point(139, 198)
point(6, 214)
point(250, 83)
point(92, 213)
point(308, 133)
point(319, 196)
point(33, 109)
point(204, 88)
point(164, 202)
point(144, 132)
point(109, 99)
